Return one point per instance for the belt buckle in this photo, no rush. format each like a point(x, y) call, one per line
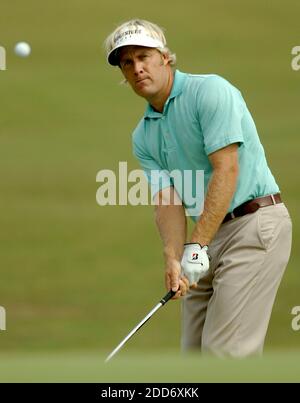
point(273, 199)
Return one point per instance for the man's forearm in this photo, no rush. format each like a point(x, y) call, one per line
point(218, 198)
point(171, 223)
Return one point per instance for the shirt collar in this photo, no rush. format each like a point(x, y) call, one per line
point(179, 79)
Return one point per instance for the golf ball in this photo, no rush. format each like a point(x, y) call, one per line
point(22, 49)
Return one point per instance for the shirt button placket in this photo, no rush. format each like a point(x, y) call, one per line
point(165, 132)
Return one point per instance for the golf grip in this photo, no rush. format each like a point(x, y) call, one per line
point(168, 296)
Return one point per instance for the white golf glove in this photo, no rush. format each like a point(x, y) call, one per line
point(195, 262)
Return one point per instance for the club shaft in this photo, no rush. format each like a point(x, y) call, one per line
point(142, 322)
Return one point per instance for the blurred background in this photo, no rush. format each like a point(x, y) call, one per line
point(75, 276)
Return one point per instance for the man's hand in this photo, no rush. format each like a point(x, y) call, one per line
point(174, 280)
point(195, 262)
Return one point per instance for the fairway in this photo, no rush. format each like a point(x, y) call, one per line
point(168, 367)
point(76, 277)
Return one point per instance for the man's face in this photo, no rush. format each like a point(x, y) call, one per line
point(146, 70)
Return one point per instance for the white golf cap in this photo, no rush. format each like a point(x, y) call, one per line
point(132, 35)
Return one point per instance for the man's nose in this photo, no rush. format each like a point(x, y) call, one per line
point(138, 67)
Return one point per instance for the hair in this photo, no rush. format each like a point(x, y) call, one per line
point(154, 30)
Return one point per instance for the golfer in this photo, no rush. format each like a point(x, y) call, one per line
point(229, 270)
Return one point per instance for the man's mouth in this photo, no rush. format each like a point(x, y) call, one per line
point(141, 80)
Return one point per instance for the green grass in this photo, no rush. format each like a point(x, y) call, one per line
point(164, 367)
point(76, 275)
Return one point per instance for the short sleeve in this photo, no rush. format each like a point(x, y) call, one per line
point(220, 108)
point(157, 177)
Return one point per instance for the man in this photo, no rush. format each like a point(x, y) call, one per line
point(201, 122)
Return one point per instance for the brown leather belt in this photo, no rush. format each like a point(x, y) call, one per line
point(253, 205)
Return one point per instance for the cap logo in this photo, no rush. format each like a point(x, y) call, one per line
point(123, 35)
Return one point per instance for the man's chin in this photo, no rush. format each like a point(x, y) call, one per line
point(144, 92)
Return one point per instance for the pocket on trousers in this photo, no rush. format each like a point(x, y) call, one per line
point(271, 221)
point(267, 223)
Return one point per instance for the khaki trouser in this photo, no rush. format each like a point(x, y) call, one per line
point(229, 313)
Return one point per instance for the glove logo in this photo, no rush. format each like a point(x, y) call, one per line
point(195, 256)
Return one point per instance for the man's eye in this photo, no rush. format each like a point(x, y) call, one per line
point(126, 63)
point(142, 57)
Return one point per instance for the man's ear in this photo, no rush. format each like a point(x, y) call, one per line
point(165, 58)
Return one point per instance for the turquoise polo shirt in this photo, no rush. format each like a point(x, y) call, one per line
point(203, 114)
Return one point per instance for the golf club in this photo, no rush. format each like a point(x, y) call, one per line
point(162, 302)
